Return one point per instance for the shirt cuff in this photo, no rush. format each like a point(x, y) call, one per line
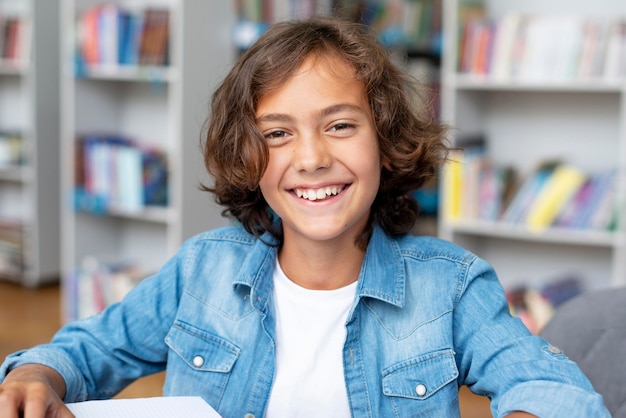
point(75, 387)
point(552, 400)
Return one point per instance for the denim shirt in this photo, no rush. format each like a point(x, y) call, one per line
point(428, 317)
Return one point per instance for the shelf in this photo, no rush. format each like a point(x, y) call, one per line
point(130, 73)
point(148, 214)
point(549, 235)
point(8, 67)
point(470, 82)
point(18, 174)
point(29, 97)
point(527, 112)
point(149, 109)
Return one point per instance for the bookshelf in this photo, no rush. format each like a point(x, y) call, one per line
point(159, 106)
point(530, 107)
point(29, 165)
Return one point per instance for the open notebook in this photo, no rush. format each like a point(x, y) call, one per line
point(161, 407)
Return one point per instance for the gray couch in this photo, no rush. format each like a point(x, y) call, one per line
point(591, 330)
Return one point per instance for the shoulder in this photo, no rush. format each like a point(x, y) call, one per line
point(442, 262)
point(426, 248)
point(227, 235)
point(218, 244)
point(225, 238)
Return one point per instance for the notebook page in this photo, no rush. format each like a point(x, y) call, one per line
point(158, 407)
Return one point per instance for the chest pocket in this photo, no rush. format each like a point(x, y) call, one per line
point(421, 377)
point(201, 350)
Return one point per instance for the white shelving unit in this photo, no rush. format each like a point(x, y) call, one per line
point(164, 107)
point(524, 121)
point(29, 107)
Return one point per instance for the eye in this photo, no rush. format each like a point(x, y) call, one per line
point(276, 135)
point(338, 127)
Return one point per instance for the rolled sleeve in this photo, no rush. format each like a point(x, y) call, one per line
point(550, 399)
point(75, 387)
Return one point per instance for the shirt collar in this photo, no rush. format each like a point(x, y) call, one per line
point(382, 274)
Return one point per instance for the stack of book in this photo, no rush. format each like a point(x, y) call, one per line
point(113, 174)
point(96, 285)
point(535, 306)
point(551, 194)
point(542, 48)
point(109, 35)
point(412, 24)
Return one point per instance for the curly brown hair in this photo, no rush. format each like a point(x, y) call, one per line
point(412, 142)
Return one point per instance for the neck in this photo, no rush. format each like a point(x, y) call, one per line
point(320, 265)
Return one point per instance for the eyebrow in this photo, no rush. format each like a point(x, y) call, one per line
point(340, 108)
point(282, 117)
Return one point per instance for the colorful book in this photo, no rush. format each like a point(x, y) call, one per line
point(557, 192)
point(452, 186)
point(526, 192)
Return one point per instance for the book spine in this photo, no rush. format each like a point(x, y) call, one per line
point(560, 187)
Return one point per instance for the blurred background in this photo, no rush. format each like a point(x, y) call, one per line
point(101, 111)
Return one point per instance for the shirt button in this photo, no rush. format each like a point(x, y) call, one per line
point(198, 361)
point(420, 390)
point(554, 350)
point(248, 415)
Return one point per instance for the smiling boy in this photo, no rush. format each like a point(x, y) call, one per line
point(321, 303)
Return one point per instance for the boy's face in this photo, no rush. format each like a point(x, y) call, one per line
point(324, 163)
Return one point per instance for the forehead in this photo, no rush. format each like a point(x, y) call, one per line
point(328, 63)
point(318, 76)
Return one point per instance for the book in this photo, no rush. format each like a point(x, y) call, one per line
point(128, 194)
point(452, 186)
point(153, 45)
point(495, 183)
point(88, 37)
point(602, 185)
point(534, 47)
point(154, 178)
point(614, 66)
point(113, 173)
point(526, 192)
point(506, 35)
point(580, 200)
point(557, 192)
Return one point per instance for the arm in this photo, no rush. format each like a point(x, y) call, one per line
point(498, 357)
point(33, 390)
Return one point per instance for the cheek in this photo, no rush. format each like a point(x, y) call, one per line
point(271, 176)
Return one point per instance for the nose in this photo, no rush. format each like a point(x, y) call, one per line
point(311, 152)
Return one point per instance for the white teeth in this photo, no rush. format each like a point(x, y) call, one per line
point(318, 194)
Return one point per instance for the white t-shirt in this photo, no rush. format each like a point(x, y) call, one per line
point(310, 335)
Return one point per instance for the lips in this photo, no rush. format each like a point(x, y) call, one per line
point(318, 193)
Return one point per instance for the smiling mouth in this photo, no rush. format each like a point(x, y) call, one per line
point(319, 194)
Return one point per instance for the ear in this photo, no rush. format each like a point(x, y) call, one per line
point(385, 163)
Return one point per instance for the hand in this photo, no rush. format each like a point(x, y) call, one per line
point(33, 391)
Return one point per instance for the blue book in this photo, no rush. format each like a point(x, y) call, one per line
point(155, 178)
